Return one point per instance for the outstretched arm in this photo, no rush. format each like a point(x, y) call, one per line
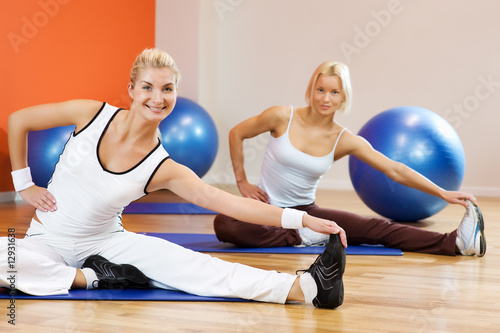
point(20, 123)
point(359, 147)
point(182, 181)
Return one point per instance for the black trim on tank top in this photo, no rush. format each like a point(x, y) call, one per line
point(153, 173)
point(99, 144)
point(93, 119)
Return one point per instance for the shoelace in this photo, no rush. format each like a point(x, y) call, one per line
point(310, 267)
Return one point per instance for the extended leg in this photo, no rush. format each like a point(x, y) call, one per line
point(246, 234)
point(170, 266)
point(35, 270)
point(365, 230)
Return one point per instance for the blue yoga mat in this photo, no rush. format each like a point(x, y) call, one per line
point(197, 242)
point(165, 208)
point(123, 295)
point(210, 243)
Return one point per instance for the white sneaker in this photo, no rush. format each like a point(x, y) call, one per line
point(312, 238)
point(470, 235)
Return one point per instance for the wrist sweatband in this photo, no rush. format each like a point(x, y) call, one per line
point(22, 179)
point(292, 218)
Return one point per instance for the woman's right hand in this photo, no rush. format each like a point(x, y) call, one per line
point(40, 198)
point(252, 191)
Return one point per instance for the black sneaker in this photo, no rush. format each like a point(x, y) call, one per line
point(114, 276)
point(327, 271)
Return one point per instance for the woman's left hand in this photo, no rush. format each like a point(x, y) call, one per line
point(324, 226)
point(455, 197)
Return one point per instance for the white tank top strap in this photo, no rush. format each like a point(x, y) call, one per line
point(338, 138)
point(290, 120)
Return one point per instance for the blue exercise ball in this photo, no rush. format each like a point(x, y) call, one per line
point(44, 149)
point(190, 137)
point(420, 139)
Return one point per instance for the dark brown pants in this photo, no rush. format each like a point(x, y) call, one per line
point(359, 230)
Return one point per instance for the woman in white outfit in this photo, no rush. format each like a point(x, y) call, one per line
point(76, 238)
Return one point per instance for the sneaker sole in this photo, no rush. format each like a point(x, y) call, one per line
point(480, 232)
point(130, 276)
point(336, 299)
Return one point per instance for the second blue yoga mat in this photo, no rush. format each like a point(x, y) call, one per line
point(210, 243)
point(165, 208)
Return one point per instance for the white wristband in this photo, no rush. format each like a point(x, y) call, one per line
point(22, 179)
point(292, 218)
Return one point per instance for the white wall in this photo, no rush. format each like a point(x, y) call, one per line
point(435, 54)
point(177, 32)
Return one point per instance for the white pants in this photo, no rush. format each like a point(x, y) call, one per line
point(45, 264)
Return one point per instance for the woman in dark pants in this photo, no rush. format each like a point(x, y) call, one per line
point(304, 143)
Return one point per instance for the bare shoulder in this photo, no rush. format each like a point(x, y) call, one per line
point(82, 110)
point(78, 106)
point(272, 120)
point(277, 117)
point(172, 176)
point(84, 105)
point(349, 144)
point(278, 113)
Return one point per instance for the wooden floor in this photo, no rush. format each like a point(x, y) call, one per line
point(411, 293)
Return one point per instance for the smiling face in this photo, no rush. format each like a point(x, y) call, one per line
point(154, 92)
point(328, 95)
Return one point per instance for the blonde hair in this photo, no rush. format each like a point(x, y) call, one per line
point(153, 58)
point(331, 68)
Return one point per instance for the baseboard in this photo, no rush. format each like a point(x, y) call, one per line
point(326, 185)
point(9, 196)
point(478, 191)
point(346, 185)
point(343, 185)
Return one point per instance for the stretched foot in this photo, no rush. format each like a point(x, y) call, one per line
point(470, 235)
point(114, 276)
point(327, 271)
point(312, 238)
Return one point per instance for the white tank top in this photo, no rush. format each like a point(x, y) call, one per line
point(289, 176)
point(90, 199)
